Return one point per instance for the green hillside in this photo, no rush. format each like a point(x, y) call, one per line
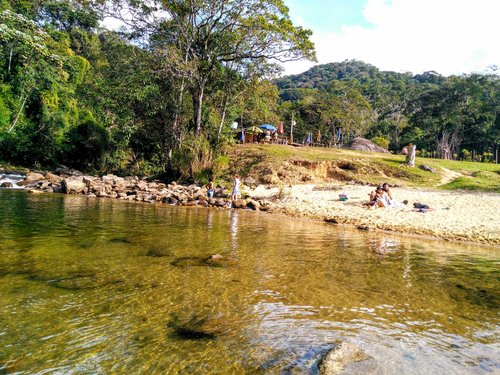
point(278, 165)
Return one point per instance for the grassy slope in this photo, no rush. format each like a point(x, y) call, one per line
point(367, 167)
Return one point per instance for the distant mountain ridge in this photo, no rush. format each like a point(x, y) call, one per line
point(320, 76)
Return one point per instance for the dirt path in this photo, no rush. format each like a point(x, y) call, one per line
point(448, 176)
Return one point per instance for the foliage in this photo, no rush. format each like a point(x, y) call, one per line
point(382, 142)
point(86, 145)
point(158, 96)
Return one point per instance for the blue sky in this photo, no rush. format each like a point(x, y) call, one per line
point(447, 36)
point(328, 15)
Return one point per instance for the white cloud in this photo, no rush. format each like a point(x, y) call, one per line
point(448, 36)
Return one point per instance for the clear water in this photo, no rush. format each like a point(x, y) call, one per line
point(98, 286)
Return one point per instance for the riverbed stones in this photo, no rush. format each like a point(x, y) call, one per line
point(141, 190)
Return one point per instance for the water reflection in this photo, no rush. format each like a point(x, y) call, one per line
point(106, 286)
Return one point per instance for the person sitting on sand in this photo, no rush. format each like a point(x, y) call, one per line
point(377, 198)
point(388, 200)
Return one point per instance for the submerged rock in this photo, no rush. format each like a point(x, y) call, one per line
point(120, 240)
point(345, 358)
point(196, 327)
point(215, 260)
point(157, 253)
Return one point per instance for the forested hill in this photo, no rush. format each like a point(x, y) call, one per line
point(321, 76)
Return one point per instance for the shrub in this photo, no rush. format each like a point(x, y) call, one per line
point(86, 145)
point(382, 142)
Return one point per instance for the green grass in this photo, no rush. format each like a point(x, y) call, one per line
point(375, 168)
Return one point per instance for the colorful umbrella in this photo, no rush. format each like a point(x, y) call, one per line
point(254, 130)
point(268, 127)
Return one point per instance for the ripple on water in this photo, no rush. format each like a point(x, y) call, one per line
point(102, 286)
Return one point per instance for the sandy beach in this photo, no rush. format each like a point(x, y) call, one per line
point(457, 216)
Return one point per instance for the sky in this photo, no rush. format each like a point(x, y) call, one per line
point(446, 36)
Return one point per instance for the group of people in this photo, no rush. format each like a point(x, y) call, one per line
point(382, 197)
point(235, 194)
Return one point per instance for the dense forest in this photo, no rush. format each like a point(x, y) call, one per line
point(446, 117)
point(158, 95)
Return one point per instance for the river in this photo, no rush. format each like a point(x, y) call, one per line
point(100, 286)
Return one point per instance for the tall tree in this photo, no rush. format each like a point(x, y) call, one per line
point(197, 35)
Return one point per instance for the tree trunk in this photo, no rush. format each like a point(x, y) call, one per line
point(198, 109)
point(223, 118)
point(18, 114)
point(10, 59)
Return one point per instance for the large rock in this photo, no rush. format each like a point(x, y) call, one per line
point(6, 184)
point(254, 205)
point(65, 171)
point(427, 168)
point(113, 180)
point(53, 178)
point(362, 144)
point(240, 203)
point(32, 177)
point(73, 185)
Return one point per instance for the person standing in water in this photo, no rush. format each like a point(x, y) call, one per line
point(210, 187)
point(235, 195)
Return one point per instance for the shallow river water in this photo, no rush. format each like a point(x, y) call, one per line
point(98, 286)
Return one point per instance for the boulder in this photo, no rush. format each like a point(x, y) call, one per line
point(427, 168)
point(65, 171)
point(362, 144)
point(6, 184)
point(220, 203)
point(89, 181)
point(32, 177)
point(254, 205)
point(53, 178)
point(73, 185)
point(240, 203)
point(250, 181)
point(203, 203)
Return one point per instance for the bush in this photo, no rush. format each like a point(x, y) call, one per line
point(382, 142)
point(487, 157)
point(86, 145)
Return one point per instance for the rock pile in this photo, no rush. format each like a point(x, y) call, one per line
point(135, 189)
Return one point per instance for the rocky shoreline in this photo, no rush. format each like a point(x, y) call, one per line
point(132, 188)
point(307, 201)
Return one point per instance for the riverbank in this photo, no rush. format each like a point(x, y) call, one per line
point(454, 215)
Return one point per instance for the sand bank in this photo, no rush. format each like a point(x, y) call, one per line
point(459, 216)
